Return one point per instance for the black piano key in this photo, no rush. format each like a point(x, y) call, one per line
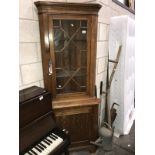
point(40, 147)
point(33, 152)
point(54, 136)
point(30, 153)
point(49, 140)
point(36, 151)
point(46, 142)
point(37, 148)
point(43, 145)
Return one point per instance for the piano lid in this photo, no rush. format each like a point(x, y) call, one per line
point(31, 92)
point(35, 130)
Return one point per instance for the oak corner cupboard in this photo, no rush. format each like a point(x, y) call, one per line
point(68, 33)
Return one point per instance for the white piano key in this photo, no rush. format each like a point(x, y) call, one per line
point(54, 141)
point(53, 144)
point(40, 153)
point(47, 147)
point(57, 141)
point(36, 151)
point(44, 152)
point(42, 147)
point(57, 136)
point(31, 152)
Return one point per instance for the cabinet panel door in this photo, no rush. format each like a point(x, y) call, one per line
point(78, 126)
point(80, 122)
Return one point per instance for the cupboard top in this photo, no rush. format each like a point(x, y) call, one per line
point(62, 7)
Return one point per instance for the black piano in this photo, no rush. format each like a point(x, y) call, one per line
point(38, 132)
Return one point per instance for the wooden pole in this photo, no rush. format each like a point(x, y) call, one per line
point(107, 118)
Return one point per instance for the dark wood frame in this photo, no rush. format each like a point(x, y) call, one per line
point(124, 6)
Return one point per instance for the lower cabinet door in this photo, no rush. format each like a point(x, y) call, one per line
point(81, 122)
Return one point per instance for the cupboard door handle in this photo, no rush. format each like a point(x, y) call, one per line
point(50, 67)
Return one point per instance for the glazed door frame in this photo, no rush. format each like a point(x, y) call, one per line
point(52, 52)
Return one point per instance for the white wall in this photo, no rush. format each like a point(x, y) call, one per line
point(109, 9)
point(30, 67)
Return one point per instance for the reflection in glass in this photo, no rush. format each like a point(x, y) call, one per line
point(70, 46)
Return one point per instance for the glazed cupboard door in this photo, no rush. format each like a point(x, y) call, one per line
point(68, 33)
point(70, 52)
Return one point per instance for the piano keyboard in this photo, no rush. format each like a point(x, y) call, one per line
point(46, 146)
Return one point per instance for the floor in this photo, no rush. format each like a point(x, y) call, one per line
point(124, 145)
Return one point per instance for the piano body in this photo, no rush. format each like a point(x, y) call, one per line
point(38, 132)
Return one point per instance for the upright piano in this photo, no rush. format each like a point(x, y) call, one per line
point(38, 132)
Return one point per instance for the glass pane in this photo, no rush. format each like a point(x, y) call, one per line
point(70, 55)
point(60, 39)
point(83, 23)
point(70, 26)
point(59, 59)
point(70, 45)
point(83, 58)
point(80, 39)
point(56, 23)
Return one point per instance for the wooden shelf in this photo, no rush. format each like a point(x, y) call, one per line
point(81, 101)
